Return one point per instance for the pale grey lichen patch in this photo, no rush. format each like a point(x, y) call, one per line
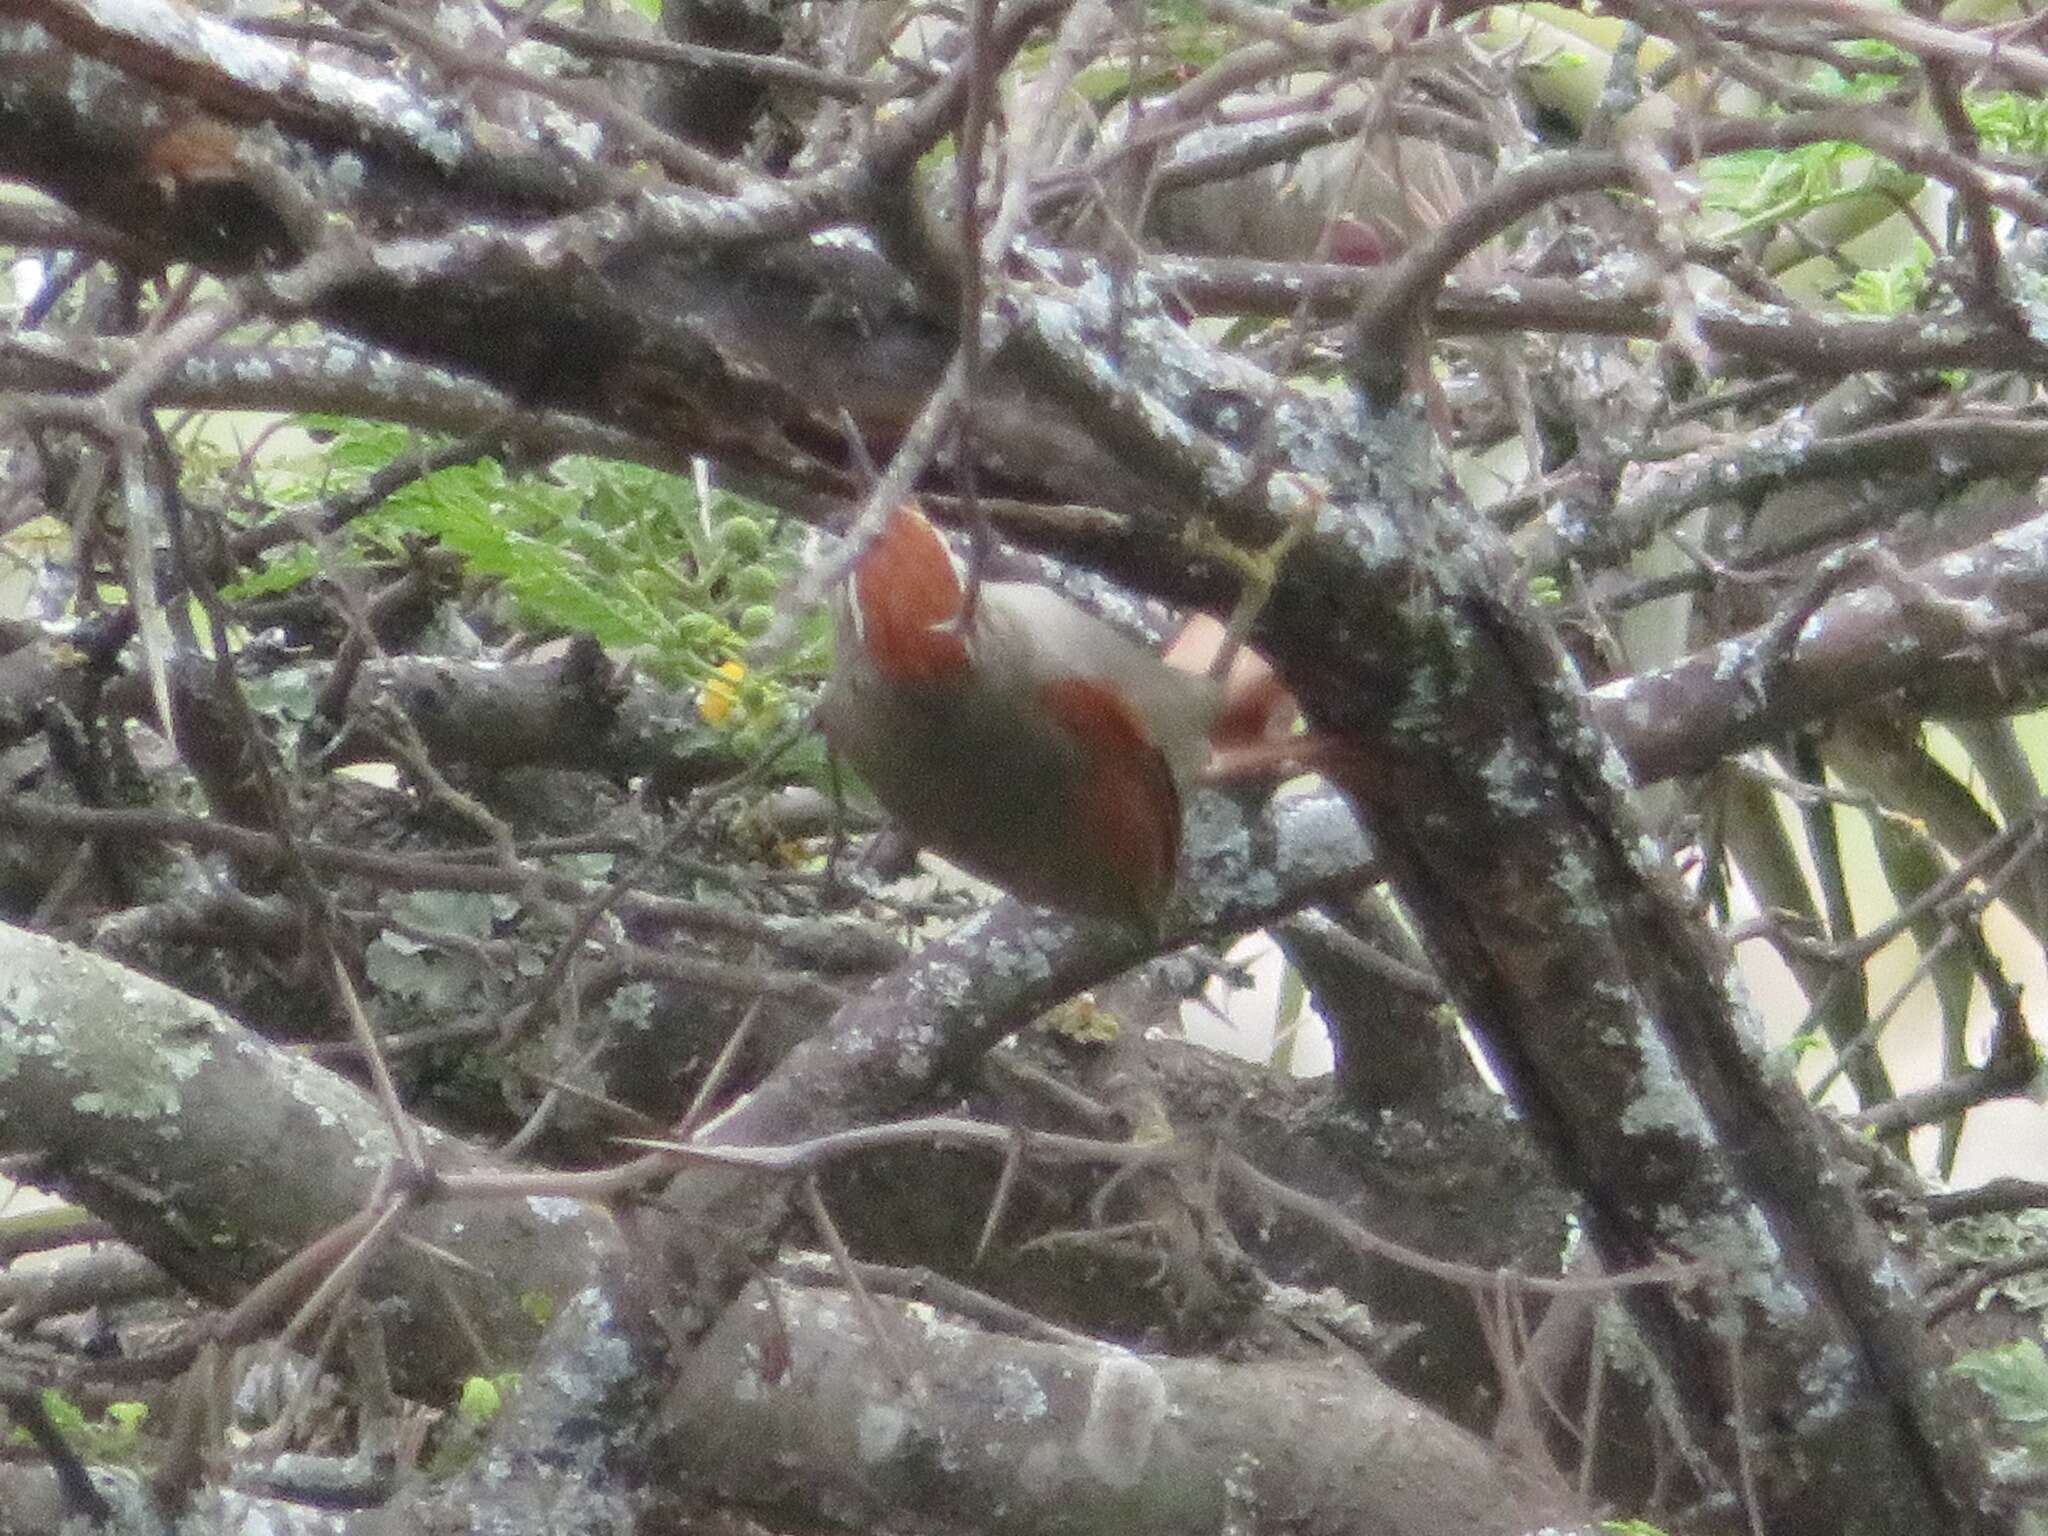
point(1868, 605)
point(27, 39)
point(1895, 1277)
point(747, 1384)
point(1574, 877)
point(1662, 1101)
point(1649, 855)
point(879, 1430)
point(1749, 1024)
point(262, 64)
point(1829, 1381)
point(604, 1359)
point(1740, 1246)
point(915, 1056)
point(1567, 521)
point(1221, 849)
point(1368, 539)
point(127, 1043)
point(1319, 834)
point(1241, 1496)
point(91, 85)
point(1513, 779)
point(1621, 1342)
point(1218, 827)
point(1639, 712)
point(335, 1102)
point(555, 1209)
point(1025, 954)
point(1018, 1397)
point(1063, 327)
point(1126, 1405)
point(2027, 539)
point(1421, 710)
point(949, 981)
point(1614, 769)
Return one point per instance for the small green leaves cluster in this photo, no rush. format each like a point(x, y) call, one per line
point(464, 1431)
point(1862, 85)
point(1767, 187)
point(1889, 290)
point(2007, 122)
point(675, 582)
point(483, 1397)
point(116, 1436)
point(2015, 1379)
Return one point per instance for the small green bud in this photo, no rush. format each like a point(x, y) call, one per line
point(743, 538)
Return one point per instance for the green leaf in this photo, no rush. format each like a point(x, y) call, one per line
point(280, 572)
point(1889, 290)
point(2015, 1378)
point(65, 1415)
point(481, 1400)
point(2007, 122)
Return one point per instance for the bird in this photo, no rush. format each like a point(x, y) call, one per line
point(1029, 741)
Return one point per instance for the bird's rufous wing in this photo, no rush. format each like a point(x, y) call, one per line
point(1129, 804)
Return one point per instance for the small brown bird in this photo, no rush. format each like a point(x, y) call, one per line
point(1036, 746)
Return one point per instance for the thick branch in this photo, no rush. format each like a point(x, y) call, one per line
point(1962, 611)
point(220, 1156)
point(1095, 1438)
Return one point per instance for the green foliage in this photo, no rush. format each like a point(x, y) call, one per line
point(280, 571)
point(465, 1431)
point(483, 1397)
point(1863, 85)
point(437, 977)
point(65, 1416)
point(1631, 1528)
point(1767, 187)
point(2015, 1379)
point(676, 584)
point(2009, 123)
point(1889, 290)
point(116, 1436)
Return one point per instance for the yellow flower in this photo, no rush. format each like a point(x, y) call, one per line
point(720, 694)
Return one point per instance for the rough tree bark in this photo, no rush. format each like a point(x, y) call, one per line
point(706, 319)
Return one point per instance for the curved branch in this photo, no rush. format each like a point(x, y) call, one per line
point(1961, 610)
point(219, 1156)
